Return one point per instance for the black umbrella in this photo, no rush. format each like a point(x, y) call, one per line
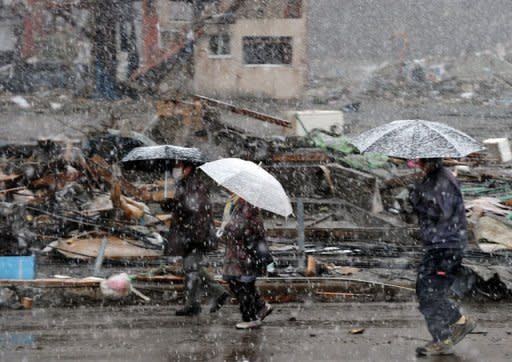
point(155, 157)
point(165, 152)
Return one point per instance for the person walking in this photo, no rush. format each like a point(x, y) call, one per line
point(438, 203)
point(245, 257)
point(191, 234)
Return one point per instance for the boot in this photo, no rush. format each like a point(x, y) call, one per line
point(189, 310)
point(264, 312)
point(249, 325)
point(436, 348)
point(462, 328)
point(219, 302)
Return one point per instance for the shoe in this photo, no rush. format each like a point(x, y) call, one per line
point(219, 302)
point(264, 312)
point(189, 311)
point(436, 348)
point(460, 330)
point(249, 325)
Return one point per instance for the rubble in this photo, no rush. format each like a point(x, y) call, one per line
point(64, 196)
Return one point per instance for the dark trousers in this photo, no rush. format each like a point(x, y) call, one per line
point(248, 297)
point(198, 281)
point(436, 274)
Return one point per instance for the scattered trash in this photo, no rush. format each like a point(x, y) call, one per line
point(9, 298)
point(119, 286)
point(351, 107)
point(55, 106)
point(357, 330)
point(26, 302)
point(20, 101)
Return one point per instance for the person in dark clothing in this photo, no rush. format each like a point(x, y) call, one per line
point(438, 202)
point(244, 234)
point(190, 235)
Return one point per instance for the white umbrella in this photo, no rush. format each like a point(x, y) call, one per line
point(250, 182)
point(413, 139)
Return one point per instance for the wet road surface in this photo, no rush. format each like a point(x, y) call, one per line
point(294, 332)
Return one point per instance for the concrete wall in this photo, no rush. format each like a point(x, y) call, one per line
point(228, 75)
point(348, 38)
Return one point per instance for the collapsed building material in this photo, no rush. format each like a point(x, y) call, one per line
point(117, 248)
point(357, 188)
point(493, 234)
point(490, 204)
point(178, 123)
point(351, 223)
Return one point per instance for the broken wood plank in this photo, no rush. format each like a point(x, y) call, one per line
point(51, 283)
point(14, 189)
point(8, 177)
point(59, 180)
point(159, 278)
point(245, 112)
point(101, 170)
point(300, 157)
point(116, 248)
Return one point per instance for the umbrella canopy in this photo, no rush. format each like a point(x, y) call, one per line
point(250, 182)
point(412, 139)
point(164, 152)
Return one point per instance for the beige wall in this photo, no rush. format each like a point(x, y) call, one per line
point(229, 76)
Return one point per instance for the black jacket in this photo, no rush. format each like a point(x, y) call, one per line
point(192, 225)
point(440, 207)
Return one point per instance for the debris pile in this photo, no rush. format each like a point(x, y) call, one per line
point(481, 77)
point(79, 201)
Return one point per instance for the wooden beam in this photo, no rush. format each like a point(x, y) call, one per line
point(244, 111)
point(297, 156)
point(51, 283)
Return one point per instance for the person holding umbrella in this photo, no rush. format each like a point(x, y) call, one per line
point(438, 202)
point(191, 234)
point(243, 233)
point(244, 237)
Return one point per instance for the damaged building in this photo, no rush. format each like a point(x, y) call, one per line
point(239, 47)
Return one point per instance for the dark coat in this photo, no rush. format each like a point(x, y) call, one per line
point(441, 213)
point(192, 227)
point(243, 234)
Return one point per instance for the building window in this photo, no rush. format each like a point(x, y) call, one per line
point(267, 49)
point(220, 45)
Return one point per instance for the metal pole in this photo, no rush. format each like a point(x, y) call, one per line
point(300, 234)
point(100, 257)
point(165, 184)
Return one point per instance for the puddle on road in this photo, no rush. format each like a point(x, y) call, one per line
point(16, 340)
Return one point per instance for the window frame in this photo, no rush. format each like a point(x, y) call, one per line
point(286, 40)
point(220, 36)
